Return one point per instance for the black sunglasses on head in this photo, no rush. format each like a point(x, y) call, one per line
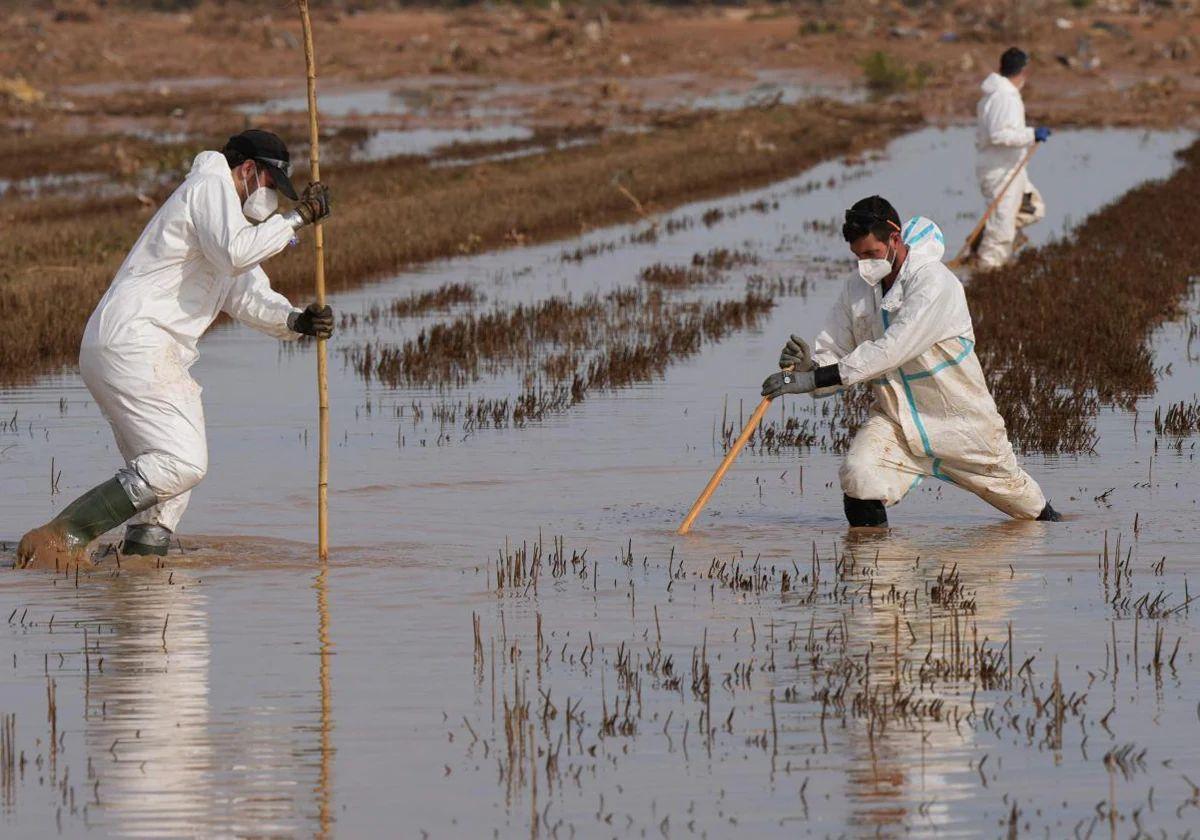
point(868, 220)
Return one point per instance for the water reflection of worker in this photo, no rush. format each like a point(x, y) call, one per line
point(150, 708)
point(901, 761)
point(180, 759)
point(198, 257)
point(1001, 141)
point(902, 325)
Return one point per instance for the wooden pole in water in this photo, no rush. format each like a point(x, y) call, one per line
point(324, 786)
point(322, 359)
point(730, 457)
point(978, 229)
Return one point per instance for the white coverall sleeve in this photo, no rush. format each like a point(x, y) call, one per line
point(227, 238)
point(918, 326)
point(1005, 122)
point(252, 301)
point(835, 340)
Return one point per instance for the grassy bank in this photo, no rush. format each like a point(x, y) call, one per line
point(61, 252)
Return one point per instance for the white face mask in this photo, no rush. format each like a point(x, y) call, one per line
point(875, 270)
point(261, 203)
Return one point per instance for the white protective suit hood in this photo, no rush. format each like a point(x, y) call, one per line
point(925, 242)
point(995, 82)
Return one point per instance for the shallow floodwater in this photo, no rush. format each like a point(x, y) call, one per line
point(421, 116)
point(640, 689)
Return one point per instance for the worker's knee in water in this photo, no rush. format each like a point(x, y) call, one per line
point(189, 475)
point(864, 513)
point(858, 473)
point(169, 475)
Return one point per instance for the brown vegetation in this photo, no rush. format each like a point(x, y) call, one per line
point(418, 303)
point(560, 350)
point(1066, 327)
point(676, 276)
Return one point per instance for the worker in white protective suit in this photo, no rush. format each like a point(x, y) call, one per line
point(903, 327)
point(199, 256)
point(1001, 141)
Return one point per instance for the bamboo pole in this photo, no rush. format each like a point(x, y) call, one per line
point(324, 789)
point(324, 780)
point(730, 457)
point(322, 357)
point(978, 229)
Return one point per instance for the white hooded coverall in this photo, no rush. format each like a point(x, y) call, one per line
point(932, 414)
point(1001, 140)
point(197, 257)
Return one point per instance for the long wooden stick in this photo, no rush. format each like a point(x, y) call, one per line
point(322, 359)
point(978, 230)
point(730, 456)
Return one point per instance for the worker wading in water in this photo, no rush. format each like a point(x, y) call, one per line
point(198, 257)
point(902, 327)
point(1001, 141)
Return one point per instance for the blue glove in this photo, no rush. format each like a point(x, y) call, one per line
point(1041, 134)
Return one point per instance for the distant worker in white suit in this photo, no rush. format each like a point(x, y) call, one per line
point(199, 256)
point(1001, 141)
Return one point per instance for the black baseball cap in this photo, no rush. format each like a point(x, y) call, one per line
point(267, 150)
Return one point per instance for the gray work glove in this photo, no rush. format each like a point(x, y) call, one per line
point(796, 354)
point(789, 382)
point(314, 203)
point(316, 321)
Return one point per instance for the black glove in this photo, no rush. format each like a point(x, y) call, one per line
point(316, 321)
point(789, 382)
point(796, 354)
point(314, 203)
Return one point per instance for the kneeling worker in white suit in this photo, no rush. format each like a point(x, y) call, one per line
point(902, 326)
point(198, 257)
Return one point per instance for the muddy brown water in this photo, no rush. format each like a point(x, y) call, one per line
point(236, 691)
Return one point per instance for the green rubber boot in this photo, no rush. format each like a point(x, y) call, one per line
point(65, 538)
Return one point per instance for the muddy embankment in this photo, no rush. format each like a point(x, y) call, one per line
point(61, 252)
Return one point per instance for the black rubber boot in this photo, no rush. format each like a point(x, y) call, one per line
point(1049, 514)
point(865, 513)
point(146, 540)
point(99, 509)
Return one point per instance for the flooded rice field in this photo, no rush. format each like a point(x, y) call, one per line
point(510, 638)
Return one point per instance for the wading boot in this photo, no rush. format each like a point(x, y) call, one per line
point(65, 538)
point(1049, 514)
point(149, 540)
point(865, 513)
